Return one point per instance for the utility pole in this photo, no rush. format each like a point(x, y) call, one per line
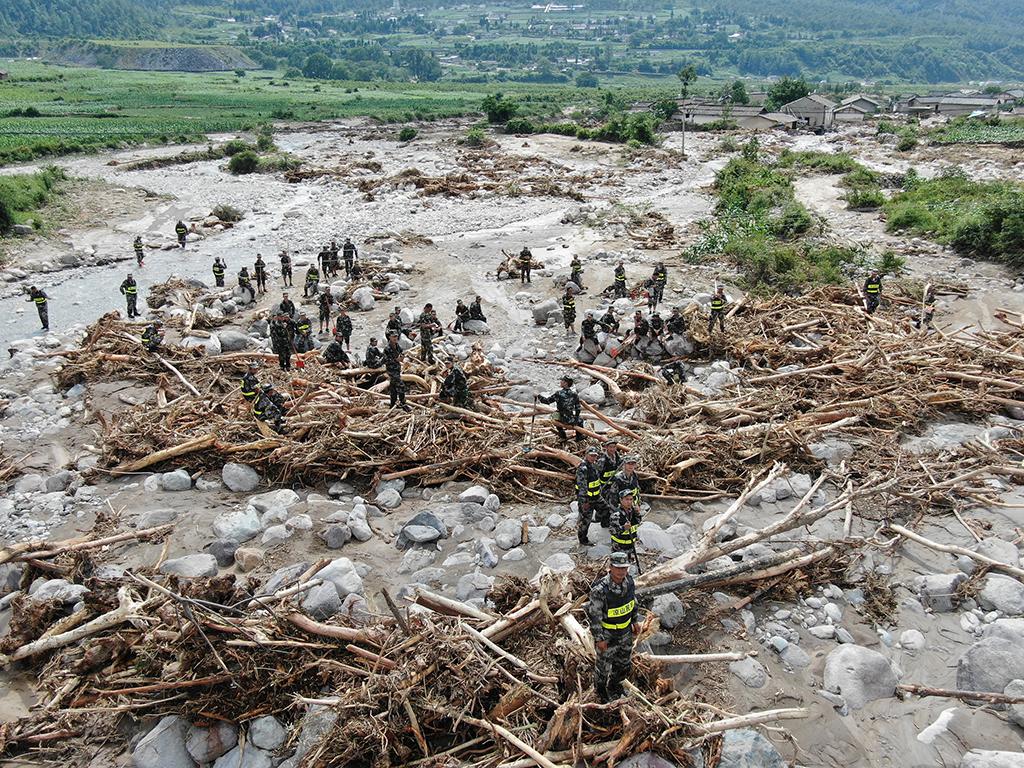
point(687, 77)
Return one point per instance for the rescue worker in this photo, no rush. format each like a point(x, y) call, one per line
point(287, 306)
point(286, 268)
point(567, 403)
point(609, 464)
point(476, 312)
point(626, 479)
point(333, 263)
point(461, 316)
point(245, 285)
point(429, 325)
point(641, 327)
point(624, 523)
point(152, 338)
point(676, 324)
point(38, 297)
point(588, 493)
point(181, 231)
point(343, 328)
point(130, 291)
point(614, 621)
point(275, 397)
point(335, 353)
point(394, 324)
point(303, 334)
point(139, 252)
point(349, 253)
point(324, 302)
point(455, 388)
point(609, 322)
point(568, 310)
point(872, 292)
point(250, 383)
point(924, 319)
point(263, 408)
point(525, 265)
point(674, 373)
point(282, 339)
point(393, 365)
point(658, 282)
point(718, 303)
point(620, 281)
point(588, 328)
point(657, 325)
point(576, 271)
point(324, 260)
point(374, 356)
point(219, 268)
point(260, 273)
point(312, 284)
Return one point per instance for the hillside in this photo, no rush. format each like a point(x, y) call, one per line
point(155, 58)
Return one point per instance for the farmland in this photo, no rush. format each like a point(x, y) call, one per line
point(1010, 132)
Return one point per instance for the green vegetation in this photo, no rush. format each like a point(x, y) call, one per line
point(475, 137)
point(637, 128)
point(863, 190)
point(244, 162)
point(822, 162)
point(980, 219)
point(785, 91)
point(994, 130)
point(21, 196)
point(408, 133)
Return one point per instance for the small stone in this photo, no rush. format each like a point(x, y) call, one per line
point(912, 640)
point(515, 555)
point(750, 671)
point(473, 585)
point(486, 552)
point(191, 566)
point(538, 534)
point(508, 534)
point(275, 534)
point(420, 534)
point(239, 525)
point(207, 744)
point(322, 601)
point(560, 562)
point(795, 657)
point(248, 559)
point(267, 733)
point(240, 478)
point(747, 748)
point(223, 550)
point(155, 518)
point(476, 494)
point(1003, 594)
point(778, 644)
point(342, 573)
point(389, 499)
point(337, 535)
point(823, 632)
point(843, 636)
point(492, 503)
point(299, 523)
point(178, 480)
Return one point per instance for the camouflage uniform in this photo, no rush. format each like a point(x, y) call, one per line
point(151, 338)
point(620, 282)
point(659, 279)
point(282, 332)
point(335, 353)
point(343, 329)
point(568, 311)
point(525, 264)
point(608, 465)
point(588, 328)
point(568, 404)
point(588, 496)
point(624, 523)
point(393, 365)
point(429, 325)
point(611, 611)
point(455, 388)
point(619, 482)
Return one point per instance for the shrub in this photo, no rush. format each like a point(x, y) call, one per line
point(265, 139)
point(6, 217)
point(407, 134)
point(227, 213)
point(520, 125)
point(475, 137)
point(910, 216)
point(244, 162)
point(886, 127)
point(499, 109)
point(236, 146)
point(907, 141)
point(864, 199)
point(793, 221)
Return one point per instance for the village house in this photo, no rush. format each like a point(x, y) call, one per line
point(869, 105)
point(951, 104)
point(814, 111)
point(751, 118)
point(850, 113)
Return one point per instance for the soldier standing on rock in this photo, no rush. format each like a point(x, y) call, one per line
point(568, 310)
point(286, 268)
point(260, 271)
point(343, 328)
point(525, 265)
point(393, 365)
point(130, 291)
point(139, 252)
point(38, 297)
point(429, 325)
point(282, 333)
point(612, 612)
point(568, 404)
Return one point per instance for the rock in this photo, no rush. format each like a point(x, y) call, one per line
point(240, 478)
point(279, 499)
point(322, 601)
point(22, 230)
point(178, 480)
point(388, 499)
point(1016, 713)
point(250, 757)
point(997, 549)
point(986, 758)
point(653, 537)
point(514, 555)
point(750, 671)
point(990, 664)
point(223, 551)
point(285, 576)
point(247, 558)
point(645, 760)
point(211, 344)
point(59, 481)
point(342, 573)
point(164, 746)
point(477, 494)
point(823, 631)
point(492, 503)
point(831, 450)
point(669, 609)
point(30, 483)
point(747, 748)
point(560, 562)
point(191, 566)
point(912, 640)
point(473, 585)
point(843, 636)
point(476, 327)
point(57, 589)
point(207, 744)
point(594, 394)
point(542, 310)
point(794, 657)
point(363, 297)
point(420, 534)
point(275, 534)
point(485, 551)
point(156, 517)
point(240, 525)
point(859, 675)
point(420, 529)
point(416, 558)
point(315, 724)
point(537, 534)
point(336, 535)
point(267, 733)
point(390, 485)
point(938, 591)
point(1003, 594)
point(299, 523)
point(508, 534)
point(340, 489)
point(361, 530)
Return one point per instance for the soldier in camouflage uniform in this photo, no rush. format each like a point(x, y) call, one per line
point(429, 327)
point(609, 464)
point(393, 365)
point(625, 479)
point(455, 388)
point(613, 615)
point(588, 493)
point(282, 334)
point(624, 523)
point(568, 404)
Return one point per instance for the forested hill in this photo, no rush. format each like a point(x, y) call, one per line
point(128, 19)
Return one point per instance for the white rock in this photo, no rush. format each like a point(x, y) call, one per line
point(275, 534)
point(389, 499)
point(508, 534)
point(477, 494)
point(239, 525)
point(178, 480)
point(240, 478)
point(859, 675)
point(164, 746)
point(1003, 594)
point(191, 566)
point(267, 733)
point(912, 640)
point(342, 573)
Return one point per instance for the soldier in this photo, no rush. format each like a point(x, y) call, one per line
point(130, 291)
point(609, 464)
point(335, 353)
point(588, 493)
point(260, 272)
point(219, 268)
point(525, 265)
point(349, 254)
point(393, 365)
point(245, 285)
point(658, 281)
point(568, 404)
point(676, 324)
point(333, 264)
point(461, 316)
point(612, 614)
point(674, 373)
point(181, 231)
point(476, 312)
point(264, 409)
point(282, 339)
point(38, 297)
point(250, 383)
point(286, 268)
point(374, 356)
point(324, 302)
point(394, 324)
point(429, 325)
point(588, 328)
point(324, 260)
point(576, 271)
point(657, 325)
point(139, 252)
point(641, 327)
point(455, 388)
point(718, 303)
point(624, 523)
point(872, 292)
point(152, 338)
point(625, 479)
point(287, 306)
point(303, 334)
point(275, 397)
point(609, 322)
point(312, 284)
point(343, 328)
point(568, 310)
point(620, 281)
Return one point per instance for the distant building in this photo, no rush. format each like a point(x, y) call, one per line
point(867, 104)
point(751, 118)
point(849, 113)
point(950, 105)
point(1016, 93)
point(814, 111)
point(782, 119)
point(757, 98)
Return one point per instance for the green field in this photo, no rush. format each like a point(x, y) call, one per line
point(1004, 131)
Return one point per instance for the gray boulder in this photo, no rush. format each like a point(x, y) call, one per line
point(336, 535)
point(322, 601)
point(990, 665)
point(178, 480)
point(164, 746)
point(508, 534)
point(669, 609)
point(747, 748)
point(156, 517)
point(938, 591)
point(191, 566)
point(315, 724)
point(343, 574)
point(859, 675)
point(476, 327)
point(240, 478)
point(57, 589)
point(422, 528)
point(267, 733)
point(363, 297)
point(59, 481)
point(750, 671)
point(476, 494)
point(279, 499)
point(542, 310)
point(485, 552)
point(420, 534)
point(283, 577)
point(223, 551)
point(389, 498)
point(250, 757)
point(233, 341)
point(207, 744)
point(986, 758)
point(1016, 689)
point(473, 585)
point(1003, 594)
point(239, 525)
point(653, 537)
point(997, 549)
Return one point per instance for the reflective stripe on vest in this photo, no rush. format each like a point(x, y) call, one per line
point(569, 304)
point(304, 328)
point(131, 290)
point(594, 488)
point(630, 532)
point(218, 271)
point(620, 278)
point(873, 287)
point(618, 613)
point(39, 299)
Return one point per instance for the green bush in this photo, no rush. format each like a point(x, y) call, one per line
point(907, 140)
point(864, 199)
point(265, 139)
point(886, 127)
point(244, 162)
point(794, 221)
point(236, 146)
point(475, 137)
point(499, 109)
point(520, 125)
point(407, 134)
point(909, 216)
point(6, 217)
point(818, 161)
point(861, 178)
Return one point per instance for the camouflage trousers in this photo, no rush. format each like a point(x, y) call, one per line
point(613, 666)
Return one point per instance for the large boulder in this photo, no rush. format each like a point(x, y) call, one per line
point(363, 298)
point(986, 758)
point(476, 494)
point(750, 671)
point(207, 744)
point(645, 760)
point(279, 499)
point(191, 566)
point(210, 344)
point(669, 609)
point(233, 341)
point(343, 575)
point(240, 478)
point(239, 525)
point(322, 601)
point(939, 591)
point(747, 748)
point(178, 480)
point(476, 327)
point(164, 746)
point(1003, 594)
point(653, 537)
point(859, 675)
point(990, 664)
point(388, 498)
point(1016, 689)
point(508, 534)
point(997, 549)
point(249, 757)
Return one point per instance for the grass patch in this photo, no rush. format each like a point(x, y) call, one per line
point(21, 196)
point(822, 162)
point(965, 130)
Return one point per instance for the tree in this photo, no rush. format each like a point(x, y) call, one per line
point(318, 66)
point(498, 108)
point(785, 91)
point(586, 80)
point(687, 77)
point(738, 93)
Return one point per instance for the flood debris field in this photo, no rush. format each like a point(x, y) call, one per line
point(828, 568)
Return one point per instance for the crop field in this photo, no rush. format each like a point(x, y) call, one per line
point(981, 132)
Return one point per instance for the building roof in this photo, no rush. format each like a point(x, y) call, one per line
point(720, 110)
point(851, 108)
point(970, 101)
point(861, 97)
point(781, 117)
point(817, 99)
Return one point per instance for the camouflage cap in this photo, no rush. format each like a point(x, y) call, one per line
point(620, 560)
point(591, 451)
